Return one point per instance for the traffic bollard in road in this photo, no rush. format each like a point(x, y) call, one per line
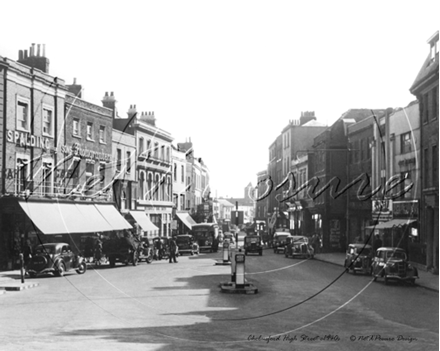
point(225, 252)
point(239, 270)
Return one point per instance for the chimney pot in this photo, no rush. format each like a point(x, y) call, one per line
point(33, 49)
point(134, 107)
point(74, 81)
point(25, 54)
point(44, 50)
point(111, 94)
point(38, 50)
point(20, 54)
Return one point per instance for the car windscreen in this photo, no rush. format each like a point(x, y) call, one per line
point(182, 240)
point(363, 251)
point(396, 255)
point(281, 237)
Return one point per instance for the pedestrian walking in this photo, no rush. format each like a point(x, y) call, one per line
point(27, 253)
point(173, 249)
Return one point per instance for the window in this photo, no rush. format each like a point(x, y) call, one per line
point(90, 171)
point(362, 147)
point(73, 173)
point(435, 102)
point(23, 115)
point(76, 127)
point(168, 154)
point(89, 130)
point(101, 134)
point(141, 146)
point(128, 161)
point(148, 147)
point(47, 122)
point(141, 186)
point(102, 174)
point(182, 174)
point(175, 172)
point(22, 174)
point(118, 159)
point(46, 183)
point(405, 143)
point(162, 153)
point(156, 150)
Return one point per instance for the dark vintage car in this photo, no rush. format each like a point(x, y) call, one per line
point(358, 258)
point(391, 263)
point(298, 246)
point(56, 258)
point(252, 244)
point(279, 241)
point(186, 244)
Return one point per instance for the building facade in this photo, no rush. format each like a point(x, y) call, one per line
point(154, 195)
point(426, 89)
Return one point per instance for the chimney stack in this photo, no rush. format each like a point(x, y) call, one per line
point(110, 102)
point(34, 60)
point(75, 89)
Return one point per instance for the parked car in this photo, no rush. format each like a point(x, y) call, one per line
point(358, 258)
point(56, 258)
point(279, 241)
point(391, 263)
point(298, 246)
point(252, 244)
point(186, 244)
point(121, 249)
point(145, 250)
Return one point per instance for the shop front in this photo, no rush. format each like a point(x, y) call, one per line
point(45, 220)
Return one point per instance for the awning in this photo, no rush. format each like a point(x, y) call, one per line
point(93, 218)
point(65, 218)
point(186, 219)
point(392, 223)
point(142, 219)
point(113, 217)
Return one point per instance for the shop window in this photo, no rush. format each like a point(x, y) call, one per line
point(90, 171)
point(22, 174)
point(128, 161)
point(102, 174)
point(47, 174)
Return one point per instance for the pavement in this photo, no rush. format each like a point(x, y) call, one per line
point(11, 280)
point(426, 279)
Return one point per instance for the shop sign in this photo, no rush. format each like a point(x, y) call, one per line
point(382, 206)
point(24, 139)
point(77, 150)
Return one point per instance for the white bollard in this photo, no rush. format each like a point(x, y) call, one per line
point(239, 269)
point(225, 252)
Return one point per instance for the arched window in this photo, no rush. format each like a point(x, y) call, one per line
point(168, 154)
point(175, 172)
point(163, 195)
point(170, 191)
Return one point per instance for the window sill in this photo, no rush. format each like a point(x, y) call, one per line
point(92, 140)
point(102, 142)
point(48, 136)
point(76, 136)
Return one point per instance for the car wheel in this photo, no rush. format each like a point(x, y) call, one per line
point(134, 258)
point(81, 268)
point(60, 270)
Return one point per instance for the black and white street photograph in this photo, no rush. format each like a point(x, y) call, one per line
point(219, 175)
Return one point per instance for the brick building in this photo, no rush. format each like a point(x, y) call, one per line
point(425, 88)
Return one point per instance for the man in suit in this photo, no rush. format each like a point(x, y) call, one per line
point(173, 249)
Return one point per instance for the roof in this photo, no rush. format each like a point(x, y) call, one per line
point(390, 249)
point(427, 71)
point(314, 123)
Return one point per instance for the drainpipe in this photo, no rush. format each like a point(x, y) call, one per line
point(5, 108)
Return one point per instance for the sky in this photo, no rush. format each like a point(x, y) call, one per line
point(230, 74)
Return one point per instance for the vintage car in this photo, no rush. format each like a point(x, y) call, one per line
point(252, 244)
point(121, 249)
point(391, 263)
point(56, 258)
point(279, 241)
point(186, 244)
point(358, 258)
point(298, 246)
